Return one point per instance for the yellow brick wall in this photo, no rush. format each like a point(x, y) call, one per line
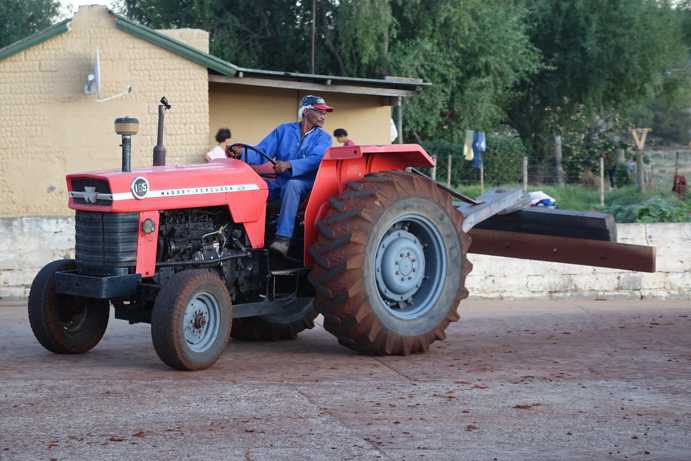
point(49, 127)
point(252, 112)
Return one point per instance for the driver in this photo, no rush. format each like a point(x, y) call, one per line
point(298, 148)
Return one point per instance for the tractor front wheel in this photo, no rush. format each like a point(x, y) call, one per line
point(65, 324)
point(191, 320)
point(390, 264)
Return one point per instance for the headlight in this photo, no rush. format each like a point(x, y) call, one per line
point(148, 226)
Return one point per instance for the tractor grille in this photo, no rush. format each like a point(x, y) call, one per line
point(106, 243)
point(88, 191)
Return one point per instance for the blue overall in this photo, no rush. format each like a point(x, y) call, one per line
point(304, 153)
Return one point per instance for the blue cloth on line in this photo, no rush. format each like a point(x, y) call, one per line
point(479, 147)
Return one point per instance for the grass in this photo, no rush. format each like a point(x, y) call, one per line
point(626, 204)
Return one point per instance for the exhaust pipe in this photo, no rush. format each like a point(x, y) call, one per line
point(126, 127)
point(159, 150)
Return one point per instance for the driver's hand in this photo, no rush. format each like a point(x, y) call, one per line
point(235, 152)
point(282, 166)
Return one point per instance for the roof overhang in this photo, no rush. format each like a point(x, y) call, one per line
point(389, 87)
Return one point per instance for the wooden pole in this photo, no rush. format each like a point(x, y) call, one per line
point(558, 159)
point(639, 137)
point(448, 172)
point(525, 174)
point(602, 182)
point(482, 177)
point(433, 173)
point(639, 171)
point(399, 119)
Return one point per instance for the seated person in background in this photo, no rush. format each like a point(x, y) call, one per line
point(223, 139)
point(298, 148)
point(341, 136)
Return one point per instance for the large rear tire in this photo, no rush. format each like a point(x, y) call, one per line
point(390, 264)
point(61, 323)
point(191, 320)
point(296, 317)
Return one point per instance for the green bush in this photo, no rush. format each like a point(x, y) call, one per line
point(621, 176)
point(652, 210)
point(502, 162)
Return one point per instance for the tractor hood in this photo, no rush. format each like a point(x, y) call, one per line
point(221, 182)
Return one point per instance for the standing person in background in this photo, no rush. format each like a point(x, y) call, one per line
point(223, 139)
point(341, 136)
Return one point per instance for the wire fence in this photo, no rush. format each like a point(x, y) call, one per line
point(660, 169)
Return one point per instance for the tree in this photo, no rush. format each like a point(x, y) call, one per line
point(668, 114)
point(474, 52)
point(600, 58)
point(357, 35)
point(21, 18)
point(267, 34)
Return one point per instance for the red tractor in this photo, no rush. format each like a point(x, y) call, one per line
point(381, 252)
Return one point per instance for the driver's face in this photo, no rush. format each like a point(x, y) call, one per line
point(316, 117)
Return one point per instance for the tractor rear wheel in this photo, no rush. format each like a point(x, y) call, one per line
point(191, 320)
point(65, 324)
point(390, 264)
point(296, 317)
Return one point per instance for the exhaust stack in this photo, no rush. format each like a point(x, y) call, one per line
point(159, 150)
point(126, 127)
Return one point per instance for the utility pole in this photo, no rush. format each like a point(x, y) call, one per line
point(314, 35)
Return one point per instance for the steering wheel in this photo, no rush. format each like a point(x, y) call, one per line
point(247, 146)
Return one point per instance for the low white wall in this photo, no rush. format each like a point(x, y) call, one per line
point(495, 277)
point(29, 243)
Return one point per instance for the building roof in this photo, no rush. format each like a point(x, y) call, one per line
point(35, 39)
point(221, 71)
point(174, 46)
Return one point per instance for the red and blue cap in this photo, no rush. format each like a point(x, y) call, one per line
point(315, 102)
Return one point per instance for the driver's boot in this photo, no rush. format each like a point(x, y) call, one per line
point(280, 245)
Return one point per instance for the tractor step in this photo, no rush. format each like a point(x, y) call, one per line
point(288, 272)
point(265, 307)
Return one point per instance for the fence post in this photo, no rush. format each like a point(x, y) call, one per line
point(433, 173)
point(448, 172)
point(602, 182)
point(482, 176)
point(558, 159)
point(525, 174)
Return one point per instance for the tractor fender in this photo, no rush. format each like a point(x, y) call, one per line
point(341, 165)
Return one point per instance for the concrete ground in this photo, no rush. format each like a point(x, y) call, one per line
point(530, 380)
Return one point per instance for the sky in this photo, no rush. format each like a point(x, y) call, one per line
point(70, 7)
